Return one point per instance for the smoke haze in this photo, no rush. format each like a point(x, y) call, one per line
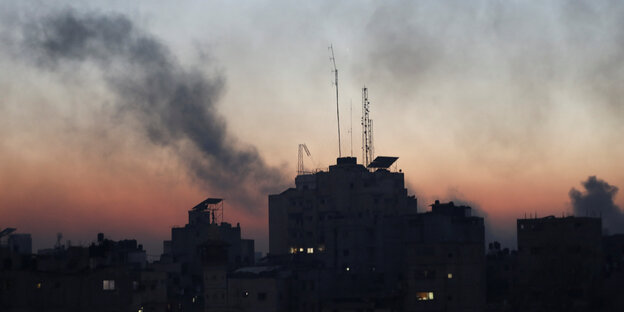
point(597, 200)
point(172, 104)
point(137, 110)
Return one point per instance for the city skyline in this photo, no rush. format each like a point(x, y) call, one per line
point(505, 108)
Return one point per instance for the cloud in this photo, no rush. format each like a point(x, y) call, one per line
point(598, 200)
point(174, 106)
point(493, 73)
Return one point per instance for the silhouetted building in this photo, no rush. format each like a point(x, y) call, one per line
point(340, 222)
point(260, 289)
point(355, 242)
point(214, 258)
point(501, 277)
point(102, 277)
point(20, 243)
point(445, 260)
point(113, 253)
point(613, 252)
point(559, 264)
point(203, 249)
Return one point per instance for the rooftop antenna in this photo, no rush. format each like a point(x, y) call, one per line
point(367, 130)
point(302, 148)
point(335, 71)
point(351, 126)
point(59, 237)
point(214, 208)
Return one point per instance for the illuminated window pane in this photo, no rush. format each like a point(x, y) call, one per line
point(293, 250)
point(108, 284)
point(450, 275)
point(301, 249)
point(310, 250)
point(424, 295)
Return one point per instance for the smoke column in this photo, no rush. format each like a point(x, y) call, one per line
point(598, 200)
point(174, 106)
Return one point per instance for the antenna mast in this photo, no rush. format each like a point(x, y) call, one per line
point(335, 71)
point(302, 148)
point(351, 125)
point(367, 130)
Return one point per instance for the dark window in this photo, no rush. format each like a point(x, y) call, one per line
point(425, 274)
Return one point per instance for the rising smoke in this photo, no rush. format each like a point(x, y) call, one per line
point(174, 106)
point(598, 201)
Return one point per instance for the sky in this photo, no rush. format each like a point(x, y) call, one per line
point(120, 116)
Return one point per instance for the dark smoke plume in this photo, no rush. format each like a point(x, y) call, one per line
point(174, 105)
point(597, 200)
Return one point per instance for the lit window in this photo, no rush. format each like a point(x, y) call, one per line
point(425, 295)
point(310, 250)
point(301, 249)
point(347, 269)
point(108, 284)
point(293, 250)
point(321, 248)
point(38, 285)
point(450, 275)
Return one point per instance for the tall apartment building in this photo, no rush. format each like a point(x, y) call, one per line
point(559, 263)
point(445, 260)
point(343, 220)
point(360, 241)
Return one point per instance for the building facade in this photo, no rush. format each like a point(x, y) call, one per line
point(559, 264)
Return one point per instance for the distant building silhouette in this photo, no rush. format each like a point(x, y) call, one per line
point(356, 241)
point(200, 254)
point(106, 276)
point(346, 239)
point(20, 243)
point(560, 264)
point(613, 253)
point(501, 277)
point(342, 221)
point(445, 259)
